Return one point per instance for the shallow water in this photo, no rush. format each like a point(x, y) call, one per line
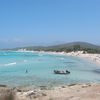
point(40, 67)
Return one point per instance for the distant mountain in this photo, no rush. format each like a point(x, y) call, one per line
point(73, 46)
point(82, 44)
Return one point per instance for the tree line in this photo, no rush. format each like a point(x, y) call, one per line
point(67, 49)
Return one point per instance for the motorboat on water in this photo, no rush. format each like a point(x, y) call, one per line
point(61, 72)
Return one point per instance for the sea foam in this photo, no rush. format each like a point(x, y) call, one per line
point(10, 64)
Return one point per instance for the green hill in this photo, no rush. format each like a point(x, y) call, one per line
point(68, 47)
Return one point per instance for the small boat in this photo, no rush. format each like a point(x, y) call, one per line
point(61, 72)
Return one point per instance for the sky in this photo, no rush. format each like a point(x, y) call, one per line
point(48, 22)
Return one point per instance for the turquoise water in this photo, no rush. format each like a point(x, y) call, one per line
point(40, 67)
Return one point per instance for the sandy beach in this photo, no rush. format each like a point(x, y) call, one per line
point(92, 57)
point(67, 92)
point(72, 92)
point(89, 56)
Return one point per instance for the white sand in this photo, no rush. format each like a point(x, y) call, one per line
point(93, 57)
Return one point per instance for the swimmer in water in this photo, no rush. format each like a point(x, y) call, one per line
point(26, 71)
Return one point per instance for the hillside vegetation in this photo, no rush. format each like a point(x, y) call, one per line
point(73, 46)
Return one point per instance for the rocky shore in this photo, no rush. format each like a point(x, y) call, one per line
point(66, 92)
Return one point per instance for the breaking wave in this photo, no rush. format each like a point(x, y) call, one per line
point(10, 64)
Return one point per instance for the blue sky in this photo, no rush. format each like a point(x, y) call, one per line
point(45, 22)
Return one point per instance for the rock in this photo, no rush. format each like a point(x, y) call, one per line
point(3, 85)
point(43, 87)
point(71, 84)
point(44, 94)
point(19, 90)
point(63, 86)
point(84, 86)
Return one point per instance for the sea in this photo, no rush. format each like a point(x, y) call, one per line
point(22, 69)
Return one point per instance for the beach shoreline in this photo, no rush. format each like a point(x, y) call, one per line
point(84, 91)
point(89, 56)
point(90, 91)
point(92, 57)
